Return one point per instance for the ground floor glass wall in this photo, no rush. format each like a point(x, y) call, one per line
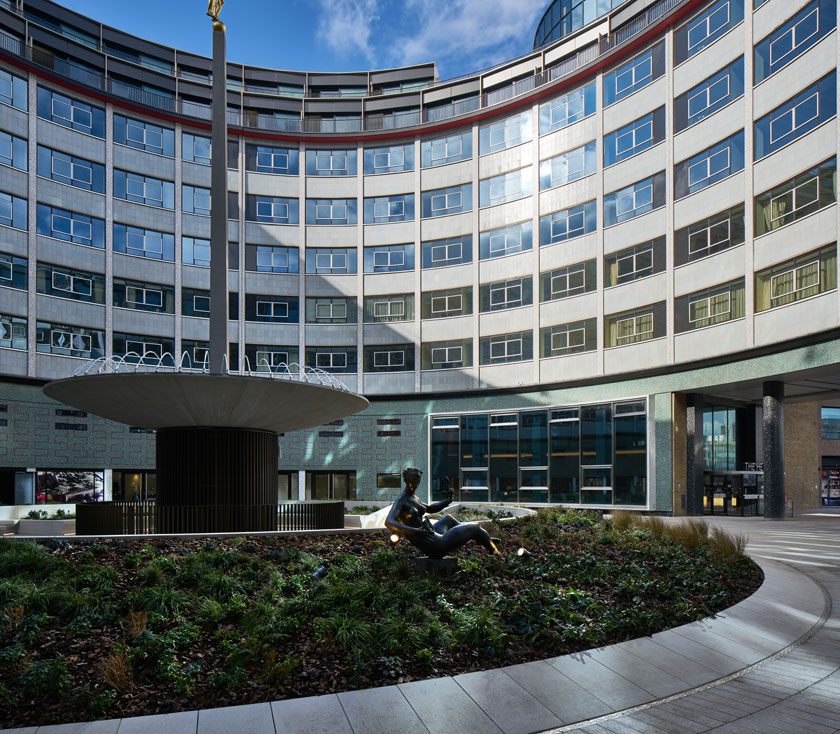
point(586, 454)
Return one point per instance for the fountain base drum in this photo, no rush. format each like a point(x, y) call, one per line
point(216, 442)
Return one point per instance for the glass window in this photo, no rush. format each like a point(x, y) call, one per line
point(331, 211)
point(137, 348)
point(195, 302)
point(446, 355)
point(634, 74)
point(451, 149)
point(568, 166)
point(796, 198)
point(13, 271)
point(391, 159)
point(646, 322)
point(267, 358)
point(271, 259)
point(506, 294)
point(147, 190)
point(195, 251)
point(634, 262)
point(144, 242)
point(452, 251)
point(505, 187)
point(505, 241)
point(567, 109)
point(335, 260)
point(709, 236)
point(384, 309)
point(635, 137)
point(13, 213)
point(797, 116)
point(12, 332)
point(144, 136)
point(709, 166)
point(710, 306)
point(141, 296)
point(70, 226)
point(271, 209)
point(710, 95)
point(322, 310)
point(14, 151)
point(389, 258)
point(389, 358)
point(71, 112)
point(77, 285)
point(69, 341)
point(394, 208)
point(331, 162)
point(449, 302)
point(504, 134)
point(265, 159)
point(571, 280)
point(830, 423)
point(569, 223)
point(578, 336)
point(634, 200)
point(451, 200)
point(794, 280)
point(272, 309)
point(332, 359)
point(70, 170)
point(13, 90)
point(516, 347)
point(196, 200)
point(706, 27)
point(795, 36)
point(196, 148)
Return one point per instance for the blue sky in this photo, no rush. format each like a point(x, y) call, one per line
point(337, 35)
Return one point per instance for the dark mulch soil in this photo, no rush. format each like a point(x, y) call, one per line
point(242, 620)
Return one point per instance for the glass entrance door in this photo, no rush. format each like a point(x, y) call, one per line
point(333, 485)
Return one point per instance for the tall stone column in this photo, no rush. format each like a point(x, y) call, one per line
point(218, 211)
point(694, 459)
point(773, 437)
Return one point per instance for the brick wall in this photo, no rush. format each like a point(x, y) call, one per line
point(802, 454)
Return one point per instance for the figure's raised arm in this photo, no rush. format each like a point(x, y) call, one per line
point(446, 488)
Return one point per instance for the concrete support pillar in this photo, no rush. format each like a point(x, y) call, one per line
point(218, 211)
point(773, 438)
point(694, 460)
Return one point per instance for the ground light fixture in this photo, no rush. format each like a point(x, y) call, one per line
point(319, 573)
point(394, 538)
point(523, 553)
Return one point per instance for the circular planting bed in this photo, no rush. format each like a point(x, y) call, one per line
point(132, 627)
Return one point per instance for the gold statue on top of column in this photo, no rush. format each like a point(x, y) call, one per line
point(214, 7)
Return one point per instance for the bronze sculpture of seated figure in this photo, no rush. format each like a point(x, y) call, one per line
point(408, 519)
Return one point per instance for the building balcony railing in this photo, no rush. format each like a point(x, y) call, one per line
point(373, 122)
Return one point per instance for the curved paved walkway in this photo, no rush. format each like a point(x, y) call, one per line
point(769, 664)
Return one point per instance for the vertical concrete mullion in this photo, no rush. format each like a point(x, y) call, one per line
point(32, 230)
point(301, 259)
point(599, 232)
point(669, 194)
point(535, 239)
point(178, 233)
point(109, 230)
point(476, 264)
point(749, 204)
point(773, 438)
point(360, 267)
point(418, 269)
point(243, 177)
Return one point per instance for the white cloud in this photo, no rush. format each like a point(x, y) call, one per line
point(346, 26)
point(474, 33)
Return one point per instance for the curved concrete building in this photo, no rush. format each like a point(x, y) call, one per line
point(603, 273)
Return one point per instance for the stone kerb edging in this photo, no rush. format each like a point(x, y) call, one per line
point(544, 696)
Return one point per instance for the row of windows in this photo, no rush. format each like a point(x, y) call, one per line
point(803, 277)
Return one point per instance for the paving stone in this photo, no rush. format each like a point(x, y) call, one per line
point(444, 707)
point(255, 718)
point(379, 710)
point(645, 674)
point(182, 722)
point(745, 655)
point(310, 715)
point(82, 727)
point(679, 666)
point(568, 701)
point(512, 708)
point(613, 689)
point(713, 659)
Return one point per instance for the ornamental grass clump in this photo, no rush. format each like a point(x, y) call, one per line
point(623, 520)
point(691, 533)
point(655, 525)
point(727, 545)
point(117, 671)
